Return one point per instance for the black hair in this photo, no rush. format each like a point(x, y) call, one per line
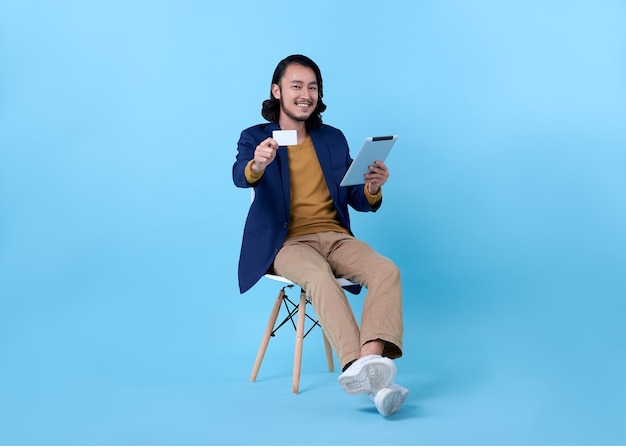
point(271, 107)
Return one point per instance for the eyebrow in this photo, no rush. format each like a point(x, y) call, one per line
point(297, 81)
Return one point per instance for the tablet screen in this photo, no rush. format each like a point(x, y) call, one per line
point(373, 148)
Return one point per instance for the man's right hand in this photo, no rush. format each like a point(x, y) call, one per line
point(264, 154)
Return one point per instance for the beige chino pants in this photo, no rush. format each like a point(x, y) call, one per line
point(313, 261)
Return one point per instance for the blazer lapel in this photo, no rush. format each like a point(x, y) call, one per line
point(282, 159)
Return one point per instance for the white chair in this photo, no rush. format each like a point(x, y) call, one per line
point(292, 311)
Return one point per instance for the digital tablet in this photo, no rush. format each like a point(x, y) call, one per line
point(373, 148)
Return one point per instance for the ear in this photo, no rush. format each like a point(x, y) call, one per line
point(276, 91)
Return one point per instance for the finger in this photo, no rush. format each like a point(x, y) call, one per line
point(378, 166)
point(269, 143)
point(378, 173)
point(376, 178)
point(265, 151)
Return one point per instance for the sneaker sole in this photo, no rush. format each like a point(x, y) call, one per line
point(392, 402)
point(373, 376)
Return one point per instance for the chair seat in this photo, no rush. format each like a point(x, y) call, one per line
point(343, 282)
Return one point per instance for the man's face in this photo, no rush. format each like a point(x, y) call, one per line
point(297, 92)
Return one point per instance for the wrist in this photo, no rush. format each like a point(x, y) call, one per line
point(254, 167)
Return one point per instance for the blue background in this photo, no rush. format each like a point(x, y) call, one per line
point(120, 318)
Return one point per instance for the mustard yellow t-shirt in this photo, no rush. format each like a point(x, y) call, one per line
point(312, 209)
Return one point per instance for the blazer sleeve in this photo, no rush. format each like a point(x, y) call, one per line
point(245, 152)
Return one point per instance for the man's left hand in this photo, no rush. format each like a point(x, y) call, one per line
point(377, 176)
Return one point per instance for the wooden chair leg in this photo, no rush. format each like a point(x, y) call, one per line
point(329, 353)
point(266, 337)
point(297, 357)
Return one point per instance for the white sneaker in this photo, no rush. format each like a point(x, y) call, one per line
point(389, 399)
point(368, 374)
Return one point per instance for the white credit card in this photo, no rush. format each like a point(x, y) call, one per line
point(285, 137)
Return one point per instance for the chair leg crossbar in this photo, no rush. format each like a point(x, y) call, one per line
point(293, 310)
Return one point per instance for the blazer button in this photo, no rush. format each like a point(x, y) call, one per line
point(285, 225)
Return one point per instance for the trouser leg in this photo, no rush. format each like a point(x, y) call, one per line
point(381, 317)
point(300, 260)
point(313, 262)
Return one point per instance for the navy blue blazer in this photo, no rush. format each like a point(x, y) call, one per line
point(268, 219)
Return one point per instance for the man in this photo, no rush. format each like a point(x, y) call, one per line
point(298, 227)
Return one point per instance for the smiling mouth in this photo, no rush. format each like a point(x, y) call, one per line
point(303, 104)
